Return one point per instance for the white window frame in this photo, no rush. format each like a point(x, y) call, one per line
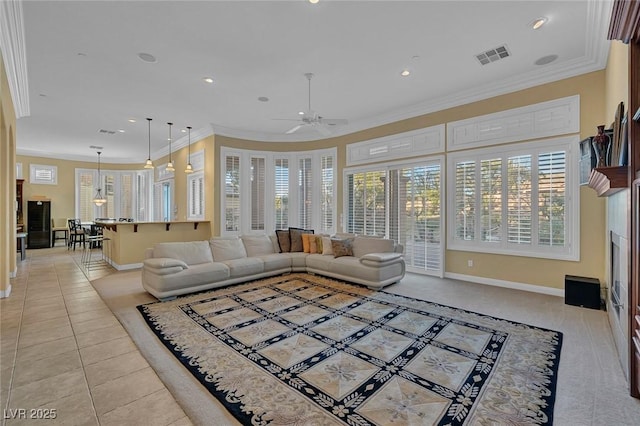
point(571, 249)
point(98, 211)
point(293, 161)
point(34, 170)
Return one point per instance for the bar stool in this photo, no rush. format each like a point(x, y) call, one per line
point(76, 234)
point(60, 225)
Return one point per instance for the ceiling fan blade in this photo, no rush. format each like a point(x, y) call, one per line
point(334, 121)
point(293, 130)
point(322, 130)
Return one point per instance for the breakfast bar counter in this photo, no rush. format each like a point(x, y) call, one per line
point(129, 240)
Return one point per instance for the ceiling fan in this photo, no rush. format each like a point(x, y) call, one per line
point(315, 121)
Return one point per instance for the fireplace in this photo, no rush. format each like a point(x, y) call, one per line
point(617, 300)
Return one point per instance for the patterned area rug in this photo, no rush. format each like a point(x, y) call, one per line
point(302, 349)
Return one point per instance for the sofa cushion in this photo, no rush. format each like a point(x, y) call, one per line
point(284, 240)
point(244, 267)
point(295, 235)
point(366, 245)
point(227, 248)
point(298, 260)
point(275, 243)
point(190, 252)
point(318, 261)
point(257, 245)
point(342, 247)
point(351, 267)
point(274, 262)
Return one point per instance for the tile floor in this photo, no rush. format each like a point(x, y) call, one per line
point(62, 351)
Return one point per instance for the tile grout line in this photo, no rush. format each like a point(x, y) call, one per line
point(15, 351)
point(75, 338)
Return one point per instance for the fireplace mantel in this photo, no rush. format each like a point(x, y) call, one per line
point(609, 180)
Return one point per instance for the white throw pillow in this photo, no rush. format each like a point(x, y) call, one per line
point(257, 245)
point(227, 248)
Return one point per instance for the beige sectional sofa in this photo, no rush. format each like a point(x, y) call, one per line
point(176, 268)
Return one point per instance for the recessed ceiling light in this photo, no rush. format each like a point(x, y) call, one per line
point(300, 112)
point(539, 22)
point(131, 120)
point(208, 80)
point(546, 60)
point(121, 130)
point(183, 131)
point(313, 1)
point(263, 99)
point(405, 73)
point(147, 57)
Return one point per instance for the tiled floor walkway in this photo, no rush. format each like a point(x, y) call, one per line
point(62, 349)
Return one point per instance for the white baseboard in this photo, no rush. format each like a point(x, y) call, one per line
point(124, 267)
point(5, 293)
point(507, 284)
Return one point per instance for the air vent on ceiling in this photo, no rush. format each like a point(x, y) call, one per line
point(95, 147)
point(109, 132)
point(493, 55)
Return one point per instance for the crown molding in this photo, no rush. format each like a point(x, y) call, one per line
point(12, 44)
point(196, 135)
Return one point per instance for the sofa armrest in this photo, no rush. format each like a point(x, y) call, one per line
point(164, 265)
point(380, 259)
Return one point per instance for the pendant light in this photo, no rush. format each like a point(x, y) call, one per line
point(99, 199)
point(149, 163)
point(170, 167)
point(189, 168)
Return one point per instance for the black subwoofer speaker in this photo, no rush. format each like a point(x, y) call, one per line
point(582, 291)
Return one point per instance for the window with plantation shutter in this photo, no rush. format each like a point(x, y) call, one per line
point(164, 200)
point(491, 199)
point(85, 191)
point(195, 196)
point(143, 209)
point(551, 198)
point(257, 193)
point(232, 193)
point(126, 196)
point(265, 191)
point(367, 203)
point(326, 193)
point(527, 189)
point(281, 196)
point(126, 191)
point(465, 197)
point(519, 199)
point(402, 202)
point(305, 193)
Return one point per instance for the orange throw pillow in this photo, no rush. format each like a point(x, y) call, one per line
point(306, 243)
